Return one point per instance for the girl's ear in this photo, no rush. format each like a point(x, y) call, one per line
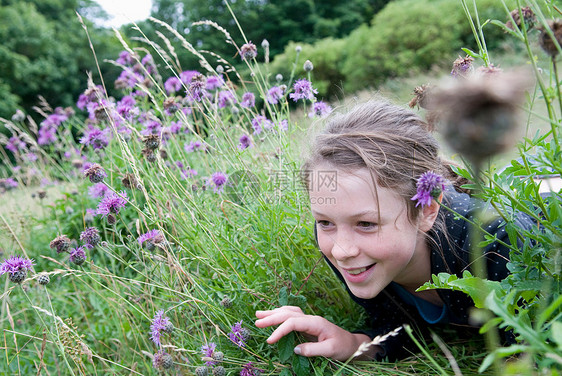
point(429, 214)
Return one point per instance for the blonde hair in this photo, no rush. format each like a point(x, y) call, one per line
point(392, 142)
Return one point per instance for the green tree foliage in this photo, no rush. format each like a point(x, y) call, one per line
point(279, 21)
point(404, 37)
point(44, 51)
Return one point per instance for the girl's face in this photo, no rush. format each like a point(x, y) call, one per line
point(368, 247)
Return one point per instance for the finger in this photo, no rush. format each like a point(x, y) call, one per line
point(326, 348)
point(261, 314)
point(307, 324)
point(276, 316)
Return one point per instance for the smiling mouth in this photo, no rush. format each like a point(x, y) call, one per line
point(359, 270)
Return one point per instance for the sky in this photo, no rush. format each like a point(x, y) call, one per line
point(125, 11)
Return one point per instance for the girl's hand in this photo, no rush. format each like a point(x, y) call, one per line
point(326, 339)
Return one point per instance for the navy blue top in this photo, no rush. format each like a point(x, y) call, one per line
point(449, 254)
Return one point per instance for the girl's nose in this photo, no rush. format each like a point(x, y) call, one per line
point(344, 247)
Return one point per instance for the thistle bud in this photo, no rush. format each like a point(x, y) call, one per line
point(308, 67)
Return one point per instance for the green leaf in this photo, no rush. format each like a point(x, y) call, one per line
point(501, 353)
point(471, 53)
point(286, 372)
point(283, 296)
point(556, 333)
point(491, 324)
point(286, 347)
point(301, 366)
point(297, 300)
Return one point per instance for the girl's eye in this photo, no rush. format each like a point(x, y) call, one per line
point(324, 224)
point(366, 225)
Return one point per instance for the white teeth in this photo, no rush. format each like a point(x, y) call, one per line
point(356, 271)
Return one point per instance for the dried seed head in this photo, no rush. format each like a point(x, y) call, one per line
point(546, 42)
point(96, 173)
point(248, 51)
point(278, 77)
point(151, 142)
point(163, 154)
point(61, 243)
point(42, 193)
point(420, 94)
point(77, 163)
point(149, 155)
point(479, 114)
point(462, 66)
point(528, 17)
point(170, 105)
point(129, 181)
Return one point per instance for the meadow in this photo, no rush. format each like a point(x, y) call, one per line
point(159, 221)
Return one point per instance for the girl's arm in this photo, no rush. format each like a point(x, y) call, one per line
point(326, 338)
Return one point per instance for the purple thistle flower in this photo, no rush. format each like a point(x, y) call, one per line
point(98, 190)
point(245, 142)
point(151, 127)
point(284, 125)
point(249, 370)
point(320, 109)
point(248, 100)
point(188, 173)
point(208, 351)
point(238, 335)
point(186, 76)
point(172, 84)
point(90, 236)
point(248, 51)
point(8, 183)
point(225, 98)
point(175, 126)
point(195, 146)
point(112, 203)
point(96, 138)
point(152, 236)
point(14, 144)
point(158, 325)
point(78, 255)
point(129, 78)
point(275, 94)
point(125, 58)
point(16, 267)
point(260, 122)
point(214, 82)
point(219, 179)
point(47, 135)
point(429, 187)
point(303, 90)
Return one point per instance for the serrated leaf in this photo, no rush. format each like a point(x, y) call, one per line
point(301, 366)
point(297, 300)
point(286, 346)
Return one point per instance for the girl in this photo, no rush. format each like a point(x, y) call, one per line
point(382, 244)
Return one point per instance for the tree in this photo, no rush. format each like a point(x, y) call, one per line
point(44, 51)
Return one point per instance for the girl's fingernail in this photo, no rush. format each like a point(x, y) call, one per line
point(297, 350)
